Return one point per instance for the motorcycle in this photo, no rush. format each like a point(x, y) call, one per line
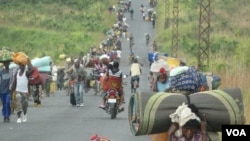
point(112, 102)
point(135, 84)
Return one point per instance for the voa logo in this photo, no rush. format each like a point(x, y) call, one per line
point(236, 132)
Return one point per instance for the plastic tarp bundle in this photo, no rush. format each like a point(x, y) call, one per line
point(41, 62)
point(44, 64)
point(149, 113)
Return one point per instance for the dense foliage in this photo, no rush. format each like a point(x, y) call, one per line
point(229, 31)
point(48, 27)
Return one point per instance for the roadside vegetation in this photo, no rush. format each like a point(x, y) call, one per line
point(229, 40)
point(55, 27)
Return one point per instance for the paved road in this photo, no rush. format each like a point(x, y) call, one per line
point(57, 120)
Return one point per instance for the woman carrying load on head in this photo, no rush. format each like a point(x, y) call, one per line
point(187, 125)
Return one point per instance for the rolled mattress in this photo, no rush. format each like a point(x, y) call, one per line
point(149, 113)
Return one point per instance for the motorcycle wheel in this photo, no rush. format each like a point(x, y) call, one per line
point(134, 87)
point(113, 111)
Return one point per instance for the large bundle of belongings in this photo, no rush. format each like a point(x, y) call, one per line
point(149, 114)
point(184, 78)
point(5, 55)
point(44, 64)
point(20, 58)
point(190, 80)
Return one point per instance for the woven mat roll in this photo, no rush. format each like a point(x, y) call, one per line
point(149, 113)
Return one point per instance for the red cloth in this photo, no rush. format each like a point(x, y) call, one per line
point(94, 137)
point(34, 78)
point(112, 82)
point(162, 71)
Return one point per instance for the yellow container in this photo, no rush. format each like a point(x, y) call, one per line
point(173, 62)
point(52, 87)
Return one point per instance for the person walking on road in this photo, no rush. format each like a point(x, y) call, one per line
point(131, 13)
point(5, 92)
point(22, 93)
point(34, 82)
point(153, 19)
point(78, 75)
point(153, 22)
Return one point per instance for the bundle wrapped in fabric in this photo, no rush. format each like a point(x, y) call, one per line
point(5, 55)
point(20, 58)
point(149, 114)
point(188, 80)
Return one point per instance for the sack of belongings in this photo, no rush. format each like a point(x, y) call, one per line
point(5, 55)
point(185, 78)
point(20, 58)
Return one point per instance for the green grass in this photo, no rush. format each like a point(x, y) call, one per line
point(52, 28)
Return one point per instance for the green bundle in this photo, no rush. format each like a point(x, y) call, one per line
point(5, 55)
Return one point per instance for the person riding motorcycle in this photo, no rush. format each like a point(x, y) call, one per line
point(135, 72)
point(113, 79)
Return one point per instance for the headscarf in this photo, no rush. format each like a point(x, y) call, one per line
point(181, 116)
point(162, 71)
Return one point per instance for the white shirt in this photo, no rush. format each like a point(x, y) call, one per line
point(119, 53)
point(21, 83)
point(124, 19)
point(135, 69)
